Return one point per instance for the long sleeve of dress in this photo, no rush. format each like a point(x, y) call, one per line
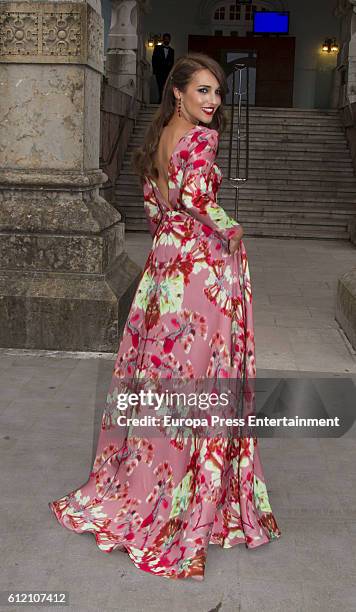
point(153, 214)
point(196, 197)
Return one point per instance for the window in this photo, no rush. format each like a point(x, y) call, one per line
point(234, 33)
point(235, 12)
point(218, 33)
point(219, 14)
point(249, 11)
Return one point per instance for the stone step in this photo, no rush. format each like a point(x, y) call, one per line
point(259, 114)
point(298, 161)
point(332, 189)
point(266, 192)
point(281, 164)
point(277, 125)
point(130, 196)
point(270, 124)
point(324, 217)
point(287, 196)
point(275, 137)
point(271, 127)
point(257, 171)
point(265, 141)
point(272, 214)
point(298, 177)
point(288, 158)
point(271, 203)
point(297, 189)
point(301, 178)
point(266, 110)
point(273, 149)
point(268, 203)
point(254, 230)
point(310, 215)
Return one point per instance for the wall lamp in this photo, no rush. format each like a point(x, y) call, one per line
point(330, 46)
point(154, 39)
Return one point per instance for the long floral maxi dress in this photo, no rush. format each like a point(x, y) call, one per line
point(161, 501)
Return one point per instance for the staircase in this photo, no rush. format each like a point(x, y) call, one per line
point(301, 181)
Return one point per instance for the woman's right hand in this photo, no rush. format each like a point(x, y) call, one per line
point(234, 243)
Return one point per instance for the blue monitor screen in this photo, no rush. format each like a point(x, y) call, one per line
point(268, 22)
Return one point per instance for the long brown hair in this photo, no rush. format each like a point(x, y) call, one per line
point(179, 76)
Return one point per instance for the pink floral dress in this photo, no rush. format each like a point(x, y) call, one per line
point(162, 501)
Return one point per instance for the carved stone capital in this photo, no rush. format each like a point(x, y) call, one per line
point(123, 30)
point(56, 33)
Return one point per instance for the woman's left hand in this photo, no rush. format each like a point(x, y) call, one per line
point(234, 243)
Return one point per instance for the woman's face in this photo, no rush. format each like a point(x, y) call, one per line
point(201, 98)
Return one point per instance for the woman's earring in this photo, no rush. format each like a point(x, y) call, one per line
point(179, 107)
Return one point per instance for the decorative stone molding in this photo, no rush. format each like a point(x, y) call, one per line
point(52, 179)
point(56, 33)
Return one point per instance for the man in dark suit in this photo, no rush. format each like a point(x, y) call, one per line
point(162, 62)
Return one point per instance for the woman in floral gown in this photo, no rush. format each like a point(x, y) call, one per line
point(160, 499)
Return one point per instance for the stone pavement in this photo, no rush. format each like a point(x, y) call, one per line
point(50, 410)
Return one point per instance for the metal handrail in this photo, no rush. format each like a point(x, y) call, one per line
point(237, 179)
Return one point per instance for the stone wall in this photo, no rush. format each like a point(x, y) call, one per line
point(65, 279)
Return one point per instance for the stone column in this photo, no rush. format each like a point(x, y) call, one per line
point(351, 85)
point(65, 280)
point(125, 55)
point(144, 69)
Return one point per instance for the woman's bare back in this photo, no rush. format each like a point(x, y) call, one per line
point(166, 147)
